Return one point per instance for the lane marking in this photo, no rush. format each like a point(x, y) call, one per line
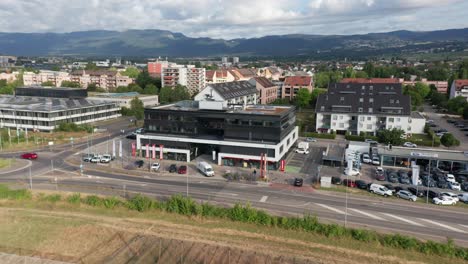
point(367, 214)
point(332, 209)
point(264, 198)
point(403, 219)
point(442, 225)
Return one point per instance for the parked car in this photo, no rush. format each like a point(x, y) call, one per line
point(375, 160)
point(399, 188)
point(463, 197)
point(366, 158)
point(139, 163)
point(311, 139)
point(430, 194)
point(451, 121)
point(460, 125)
point(155, 166)
point(172, 168)
point(336, 180)
point(95, 159)
point(444, 200)
point(406, 195)
point(131, 136)
point(302, 151)
point(349, 183)
point(87, 157)
point(392, 177)
point(29, 156)
point(182, 169)
point(380, 174)
point(403, 177)
point(449, 194)
point(380, 189)
point(443, 184)
point(428, 182)
point(298, 182)
point(409, 145)
point(360, 184)
point(352, 172)
point(371, 141)
point(415, 191)
point(450, 178)
point(464, 186)
point(454, 186)
point(106, 158)
point(140, 131)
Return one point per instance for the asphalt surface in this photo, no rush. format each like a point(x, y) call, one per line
point(373, 212)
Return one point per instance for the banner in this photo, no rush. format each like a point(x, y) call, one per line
point(113, 148)
point(147, 151)
point(133, 149)
point(120, 148)
point(154, 151)
point(161, 151)
point(282, 165)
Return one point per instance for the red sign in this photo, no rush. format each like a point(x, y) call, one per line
point(161, 151)
point(282, 165)
point(147, 151)
point(154, 151)
point(133, 149)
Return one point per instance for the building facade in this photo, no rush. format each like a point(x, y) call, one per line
point(231, 94)
point(231, 137)
point(155, 68)
point(36, 79)
point(292, 85)
point(124, 99)
point(267, 91)
point(195, 80)
point(459, 88)
point(7, 61)
point(186, 75)
point(441, 86)
point(108, 80)
point(366, 107)
point(219, 76)
point(8, 77)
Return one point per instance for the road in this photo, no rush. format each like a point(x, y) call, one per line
point(394, 216)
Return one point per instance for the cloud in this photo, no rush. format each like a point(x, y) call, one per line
point(232, 18)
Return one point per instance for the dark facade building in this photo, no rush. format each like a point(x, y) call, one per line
point(72, 93)
point(188, 129)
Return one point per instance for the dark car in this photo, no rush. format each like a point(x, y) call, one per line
point(139, 163)
point(349, 183)
point(443, 184)
point(30, 156)
point(431, 194)
point(464, 186)
point(392, 177)
point(172, 168)
point(418, 193)
point(298, 182)
point(403, 177)
point(361, 184)
point(432, 125)
point(336, 180)
point(451, 121)
point(428, 182)
point(131, 136)
point(182, 170)
point(380, 174)
point(461, 178)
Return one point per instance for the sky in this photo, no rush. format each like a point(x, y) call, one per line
point(230, 19)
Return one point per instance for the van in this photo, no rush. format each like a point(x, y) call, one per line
point(380, 189)
point(463, 197)
point(205, 168)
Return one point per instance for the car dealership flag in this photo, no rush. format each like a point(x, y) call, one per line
point(113, 148)
point(154, 151)
point(120, 148)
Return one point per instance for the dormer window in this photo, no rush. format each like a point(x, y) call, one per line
point(361, 100)
point(342, 99)
point(371, 100)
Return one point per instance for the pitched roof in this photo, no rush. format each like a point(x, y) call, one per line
point(221, 73)
point(264, 82)
point(298, 81)
point(231, 90)
point(94, 72)
point(246, 73)
point(459, 84)
point(369, 80)
point(372, 99)
point(209, 75)
point(274, 70)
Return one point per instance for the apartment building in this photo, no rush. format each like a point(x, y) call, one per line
point(108, 80)
point(36, 79)
point(366, 107)
point(8, 77)
point(231, 94)
point(243, 74)
point(195, 80)
point(186, 75)
point(7, 61)
point(267, 91)
point(155, 68)
point(292, 84)
point(370, 80)
point(459, 88)
point(219, 76)
point(441, 86)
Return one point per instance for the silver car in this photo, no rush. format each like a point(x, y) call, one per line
point(406, 195)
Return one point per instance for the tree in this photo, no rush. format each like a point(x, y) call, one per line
point(449, 140)
point(361, 74)
point(48, 83)
point(180, 93)
point(165, 95)
point(303, 98)
point(465, 112)
point(70, 84)
point(137, 108)
point(131, 72)
point(314, 95)
point(91, 66)
point(322, 80)
point(456, 105)
point(55, 68)
point(173, 94)
point(150, 89)
point(92, 87)
point(144, 79)
point(393, 136)
point(369, 69)
point(422, 89)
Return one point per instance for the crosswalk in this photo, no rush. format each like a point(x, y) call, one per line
point(398, 219)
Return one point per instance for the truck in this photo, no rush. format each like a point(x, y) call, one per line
point(303, 147)
point(205, 168)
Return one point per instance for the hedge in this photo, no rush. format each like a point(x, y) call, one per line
point(320, 135)
point(359, 138)
point(245, 213)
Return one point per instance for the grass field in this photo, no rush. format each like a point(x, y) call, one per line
point(5, 163)
point(59, 230)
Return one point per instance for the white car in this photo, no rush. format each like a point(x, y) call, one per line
point(311, 139)
point(375, 160)
point(105, 158)
point(370, 141)
point(449, 194)
point(155, 166)
point(366, 158)
point(95, 159)
point(450, 178)
point(353, 172)
point(455, 186)
point(409, 145)
point(444, 200)
point(302, 151)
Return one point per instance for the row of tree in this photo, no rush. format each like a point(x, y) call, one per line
point(394, 137)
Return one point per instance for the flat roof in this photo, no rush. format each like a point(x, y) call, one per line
point(334, 153)
point(422, 153)
point(128, 95)
point(250, 109)
point(45, 104)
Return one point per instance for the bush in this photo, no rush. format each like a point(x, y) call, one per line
point(320, 135)
point(74, 198)
point(53, 198)
point(72, 127)
point(110, 202)
point(21, 194)
point(93, 200)
point(140, 203)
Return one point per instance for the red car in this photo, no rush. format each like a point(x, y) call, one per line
point(349, 183)
point(182, 170)
point(29, 156)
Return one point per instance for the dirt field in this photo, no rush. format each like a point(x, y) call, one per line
point(80, 234)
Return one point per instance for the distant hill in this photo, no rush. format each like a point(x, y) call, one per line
point(166, 43)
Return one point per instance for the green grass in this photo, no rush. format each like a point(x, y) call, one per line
point(292, 169)
point(5, 163)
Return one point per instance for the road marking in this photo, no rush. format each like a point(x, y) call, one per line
point(332, 209)
point(403, 219)
point(76, 153)
point(264, 198)
point(367, 214)
point(443, 225)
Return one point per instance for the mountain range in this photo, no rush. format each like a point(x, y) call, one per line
point(166, 43)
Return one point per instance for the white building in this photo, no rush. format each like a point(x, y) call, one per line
point(459, 88)
point(358, 107)
point(124, 99)
point(240, 93)
point(186, 75)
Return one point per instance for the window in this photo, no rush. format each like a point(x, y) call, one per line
point(341, 99)
point(341, 117)
point(371, 87)
point(371, 100)
point(361, 100)
point(334, 124)
point(360, 110)
point(361, 118)
point(398, 119)
point(390, 119)
point(335, 117)
point(361, 125)
point(369, 118)
point(363, 87)
point(371, 110)
point(392, 101)
point(322, 108)
point(369, 127)
point(281, 148)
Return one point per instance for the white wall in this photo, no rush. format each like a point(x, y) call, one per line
point(340, 119)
